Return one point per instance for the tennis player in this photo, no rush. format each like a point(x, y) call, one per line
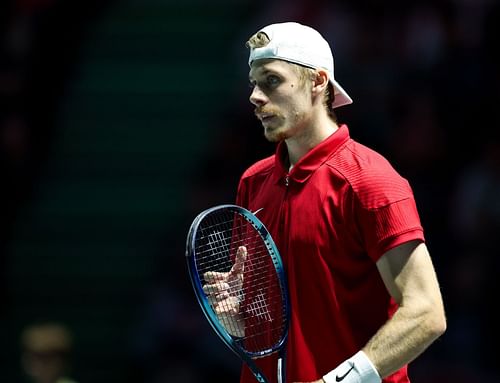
point(364, 295)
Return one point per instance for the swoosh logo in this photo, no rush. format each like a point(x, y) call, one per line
point(341, 378)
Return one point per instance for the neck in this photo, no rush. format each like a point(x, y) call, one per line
point(299, 146)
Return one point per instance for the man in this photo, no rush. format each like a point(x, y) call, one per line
point(364, 296)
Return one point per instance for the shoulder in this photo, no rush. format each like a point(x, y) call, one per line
point(262, 167)
point(252, 180)
point(371, 176)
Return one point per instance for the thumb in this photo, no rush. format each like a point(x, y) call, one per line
point(239, 262)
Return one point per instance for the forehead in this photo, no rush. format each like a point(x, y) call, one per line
point(264, 66)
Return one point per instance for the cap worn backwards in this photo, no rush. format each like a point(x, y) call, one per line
point(303, 45)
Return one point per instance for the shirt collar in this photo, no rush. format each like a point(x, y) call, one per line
point(313, 159)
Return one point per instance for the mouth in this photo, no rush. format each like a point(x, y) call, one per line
point(264, 117)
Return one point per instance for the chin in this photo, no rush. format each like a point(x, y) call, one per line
point(275, 135)
point(272, 138)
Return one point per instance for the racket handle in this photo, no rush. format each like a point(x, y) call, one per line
point(280, 370)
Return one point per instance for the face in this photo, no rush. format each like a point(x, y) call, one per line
point(282, 102)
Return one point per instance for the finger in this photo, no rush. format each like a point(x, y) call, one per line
point(216, 288)
point(214, 276)
point(229, 306)
point(230, 311)
point(217, 299)
point(239, 262)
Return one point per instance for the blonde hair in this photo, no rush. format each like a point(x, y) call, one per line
point(260, 39)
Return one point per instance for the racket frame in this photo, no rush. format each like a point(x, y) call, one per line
point(228, 339)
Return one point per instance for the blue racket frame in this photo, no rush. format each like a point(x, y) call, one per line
point(211, 316)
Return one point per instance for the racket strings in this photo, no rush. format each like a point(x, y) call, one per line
point(258, 294)
point(208, 254)
point(222, 241)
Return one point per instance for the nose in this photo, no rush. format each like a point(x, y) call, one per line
point(257, 97)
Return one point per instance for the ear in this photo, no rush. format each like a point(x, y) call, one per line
point(320, 82)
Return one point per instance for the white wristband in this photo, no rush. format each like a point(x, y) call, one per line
point(357, 369)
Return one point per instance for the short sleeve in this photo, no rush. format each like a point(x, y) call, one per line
point(388, 226)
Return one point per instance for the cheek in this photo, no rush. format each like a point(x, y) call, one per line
point(293, 104)
point(300, 108)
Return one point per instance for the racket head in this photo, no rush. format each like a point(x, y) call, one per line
point(212, 243)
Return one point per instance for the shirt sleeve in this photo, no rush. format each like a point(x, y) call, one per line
point(388, 226)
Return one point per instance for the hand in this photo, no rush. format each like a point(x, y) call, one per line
point(222, 290)
point(316, 381)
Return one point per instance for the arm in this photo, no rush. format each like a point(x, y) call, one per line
point(409, 277)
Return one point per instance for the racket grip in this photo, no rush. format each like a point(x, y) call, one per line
point(280, 370)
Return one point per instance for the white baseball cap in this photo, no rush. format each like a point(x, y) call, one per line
point(300, 44)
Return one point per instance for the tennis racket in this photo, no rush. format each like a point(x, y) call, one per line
point(238, 277)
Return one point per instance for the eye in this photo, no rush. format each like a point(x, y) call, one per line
point(272, 81)
point(266, 82)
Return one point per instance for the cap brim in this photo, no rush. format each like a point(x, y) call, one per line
point(341, 96)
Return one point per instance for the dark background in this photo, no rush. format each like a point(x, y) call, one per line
point(120, 120)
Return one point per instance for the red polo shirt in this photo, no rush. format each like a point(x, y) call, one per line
point(339, 209)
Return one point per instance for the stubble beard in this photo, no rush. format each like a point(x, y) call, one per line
point(278, 132)
point(274, 134)
point(285, 129)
